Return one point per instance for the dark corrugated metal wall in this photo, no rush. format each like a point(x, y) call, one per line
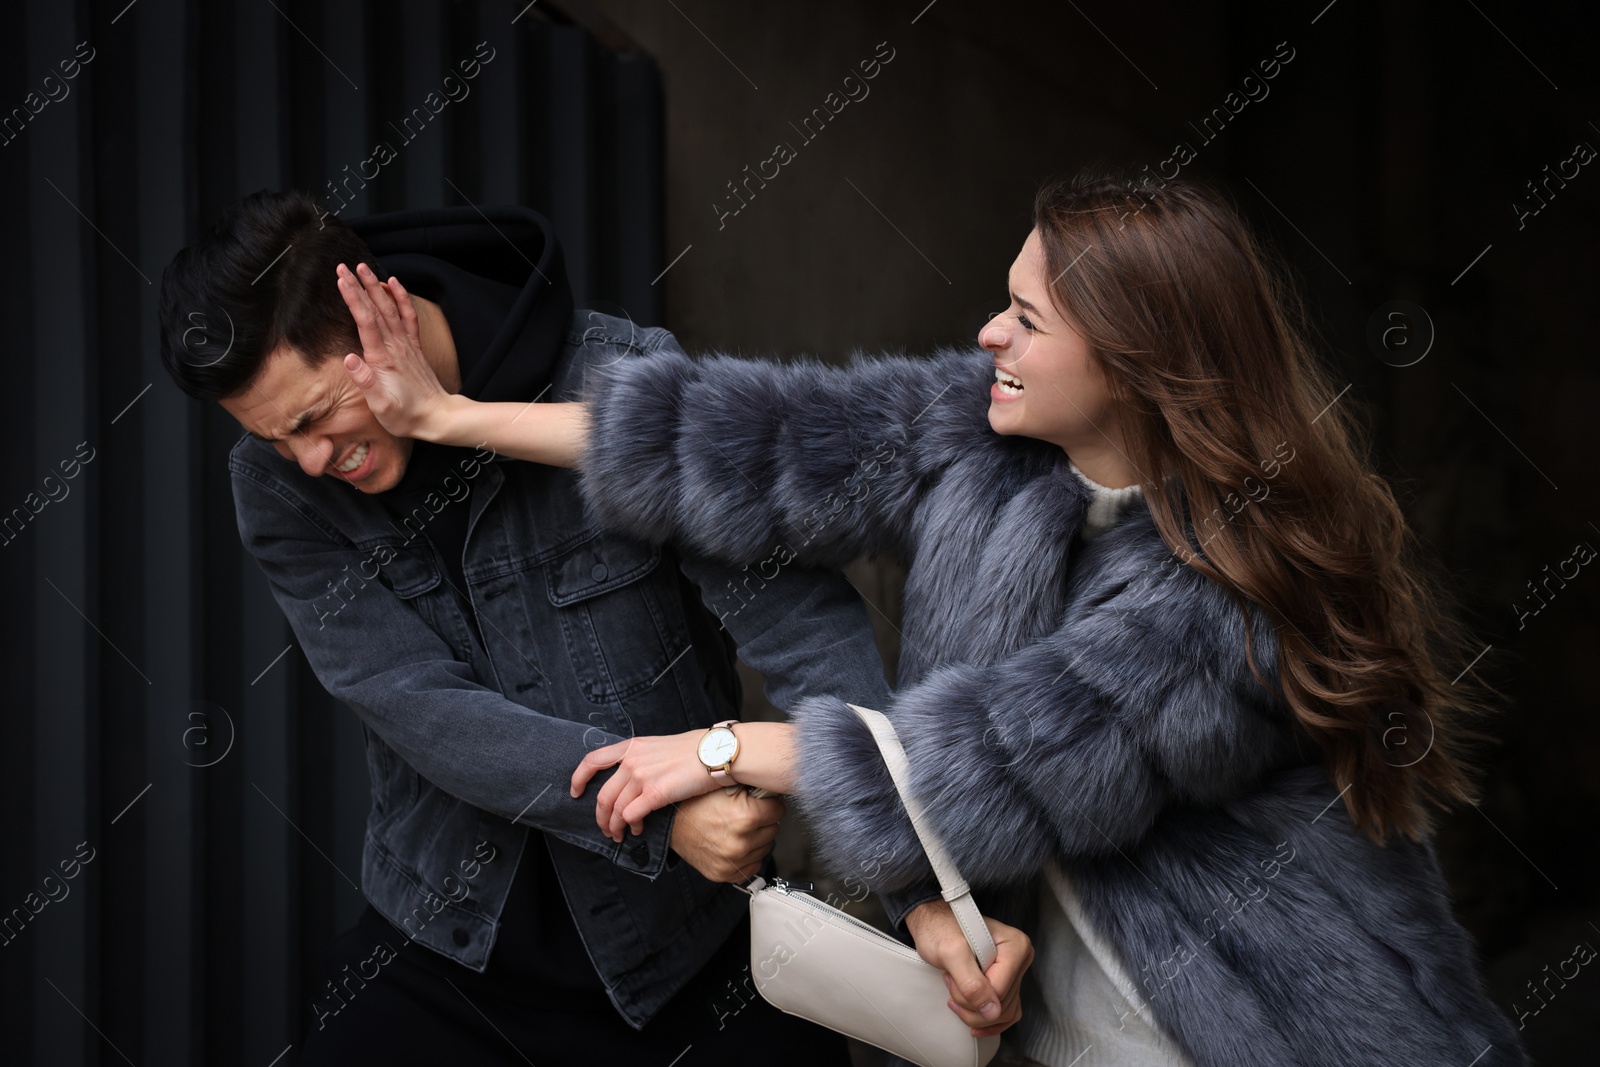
point(183, 805)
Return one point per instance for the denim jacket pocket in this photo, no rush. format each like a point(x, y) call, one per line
point(608, 593)
point(409, 570)
point(413, 573)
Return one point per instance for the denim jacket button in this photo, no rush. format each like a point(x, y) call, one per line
point(640, 854)
point(460, 937)
point(599, 572)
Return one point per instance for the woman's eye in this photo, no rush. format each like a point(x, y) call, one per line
point(1023, 321)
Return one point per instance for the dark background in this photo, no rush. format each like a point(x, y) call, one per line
point(155, 705)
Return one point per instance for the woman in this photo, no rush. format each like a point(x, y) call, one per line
point(1172, 685)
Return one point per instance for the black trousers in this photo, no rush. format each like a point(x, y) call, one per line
point(416, 1013)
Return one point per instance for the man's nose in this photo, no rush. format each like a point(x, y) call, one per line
point(312, 453)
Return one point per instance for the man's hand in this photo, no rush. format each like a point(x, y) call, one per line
point(988, 1001)
point(726, 833)
point(400, 386)
point(651, 773)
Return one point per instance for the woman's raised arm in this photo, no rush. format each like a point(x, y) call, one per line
point(405, 395)
point(749, 461)
point(759, 462)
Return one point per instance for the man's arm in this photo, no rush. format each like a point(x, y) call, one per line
point(805, 629)
point(378, 655)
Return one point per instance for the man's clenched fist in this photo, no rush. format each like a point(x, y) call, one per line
point(726, 833)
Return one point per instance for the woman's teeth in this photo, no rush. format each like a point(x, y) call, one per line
point(1009, 383)
point(357, 458)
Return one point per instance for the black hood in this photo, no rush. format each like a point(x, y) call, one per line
point(498, 275)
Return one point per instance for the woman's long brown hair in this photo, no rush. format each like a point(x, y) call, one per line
point(1258, 475)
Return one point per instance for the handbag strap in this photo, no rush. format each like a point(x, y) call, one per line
point(952, 886)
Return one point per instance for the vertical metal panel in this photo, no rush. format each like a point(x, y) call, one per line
point(20, 1009)
point(495, 131)
point(423, 40)
point(169, 451)
point(61, 541)
point(114, 282)
point(629, 246)
point(569, 63)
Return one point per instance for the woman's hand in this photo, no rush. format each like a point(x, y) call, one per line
point(405, 394)
point(988, 1001)
point(652, 772)
point(401, 388)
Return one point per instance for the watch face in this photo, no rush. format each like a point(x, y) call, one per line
point(718, 746)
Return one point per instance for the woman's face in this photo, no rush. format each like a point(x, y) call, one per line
point(1045, 384)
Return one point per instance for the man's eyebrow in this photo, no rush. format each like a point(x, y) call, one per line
point(299, 425)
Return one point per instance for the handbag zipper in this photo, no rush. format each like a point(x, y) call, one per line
point(799, 891)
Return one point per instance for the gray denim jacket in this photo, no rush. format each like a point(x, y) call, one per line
point(478, 703)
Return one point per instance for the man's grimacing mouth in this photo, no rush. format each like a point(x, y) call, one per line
point(355, 459)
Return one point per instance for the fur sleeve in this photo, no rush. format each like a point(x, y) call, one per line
point(747, 460)
point(1071, 747)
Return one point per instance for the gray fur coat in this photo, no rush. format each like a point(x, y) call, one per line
point(1087, 702)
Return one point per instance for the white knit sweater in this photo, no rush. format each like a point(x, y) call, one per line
point(1081, 1009)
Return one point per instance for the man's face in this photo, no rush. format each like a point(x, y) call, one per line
point(319, 418)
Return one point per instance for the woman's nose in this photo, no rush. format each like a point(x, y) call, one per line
point(993, 335)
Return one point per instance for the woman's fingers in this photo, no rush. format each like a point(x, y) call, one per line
point(638, 808)
point(368, 325)
point(629, 797)
point(364, 376)
point(408, 311)
point(1013, 957)
point(941, 942)
point(378, 316)
point(1010, 1010)
point(605, 801)
point(977, 1003)
point(382, 300)
point(593, 763)
point(615, 825)
point(650, 798)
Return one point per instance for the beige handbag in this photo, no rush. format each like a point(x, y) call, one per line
point(812, 960)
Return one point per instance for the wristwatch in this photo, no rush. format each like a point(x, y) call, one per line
point(718, 748)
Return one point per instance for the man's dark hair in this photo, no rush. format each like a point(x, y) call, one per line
point(263, 275)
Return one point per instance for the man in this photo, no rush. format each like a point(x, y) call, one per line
point(488, 635)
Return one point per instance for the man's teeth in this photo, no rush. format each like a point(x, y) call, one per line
point(357, 458)
point(1009, 383)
